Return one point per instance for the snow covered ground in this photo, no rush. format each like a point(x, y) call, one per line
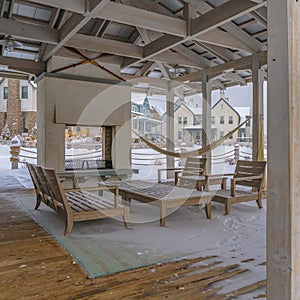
point(239, 238)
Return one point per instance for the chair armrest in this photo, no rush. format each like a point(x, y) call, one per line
point(233, 182)
point(246, 178)
point(167, 169)
point(219, 175)
point(189, 170)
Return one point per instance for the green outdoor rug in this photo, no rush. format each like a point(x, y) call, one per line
point(105, 246)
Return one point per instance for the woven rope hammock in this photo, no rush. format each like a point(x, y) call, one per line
point(197, 152)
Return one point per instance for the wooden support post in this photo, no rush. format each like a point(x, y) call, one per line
point(206, 118)
point(15, 152)
point(170, 129)
point(257, 82)
point(283, 222)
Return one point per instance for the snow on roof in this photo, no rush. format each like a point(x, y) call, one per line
point(138, 101)
point(243, 112)
point(192, 127)
point(158, 110)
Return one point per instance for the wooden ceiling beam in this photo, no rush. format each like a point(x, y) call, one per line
point(73, 25)
point(28, 31)
point(203, 24)
point(241, 63)
point(222, 14)
point(23, 65)
point(76, 6)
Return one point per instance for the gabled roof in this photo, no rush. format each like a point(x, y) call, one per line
point(222, 100)
point(158, 110)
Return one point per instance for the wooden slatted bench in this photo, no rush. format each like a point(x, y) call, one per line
point(161, 195)
point(77, 204)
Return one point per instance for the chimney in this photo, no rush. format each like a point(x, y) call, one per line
point(222, 94)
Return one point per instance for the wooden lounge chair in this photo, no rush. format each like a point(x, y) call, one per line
point(41, 187)
point(192, 175)
point(44, 188)
point(36, 184)
point(77, 204)
point(246, 185)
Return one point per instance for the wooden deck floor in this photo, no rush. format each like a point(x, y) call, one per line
point(34, 266)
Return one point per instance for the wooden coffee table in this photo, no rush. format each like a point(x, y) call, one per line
point(161, 195)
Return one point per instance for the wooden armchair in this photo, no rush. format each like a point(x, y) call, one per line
point(246, 185)
point(36, 184)
point(83, 204)
point(192, 175)
point(41, 186)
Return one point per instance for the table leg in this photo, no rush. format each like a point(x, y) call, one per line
point(163, 212)
point(208, 210)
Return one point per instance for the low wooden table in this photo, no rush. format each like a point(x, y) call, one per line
point(161, 195)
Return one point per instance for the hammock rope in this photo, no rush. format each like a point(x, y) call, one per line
point(197, 152)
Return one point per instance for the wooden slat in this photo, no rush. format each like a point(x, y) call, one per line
point(91, 199)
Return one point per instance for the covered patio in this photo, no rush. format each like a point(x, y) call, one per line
point(88, 56)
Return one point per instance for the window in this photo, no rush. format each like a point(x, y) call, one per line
point(184, 120)
point(230, 120)
point(213, 120)
point(24, 92)
point(221, 134)
point(179, 120)
point(179, 135)
point(133, 108)
point(5, 92)
point(231, 137)
point(222, 120)
point(248, 122)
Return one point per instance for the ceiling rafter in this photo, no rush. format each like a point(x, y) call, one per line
point(147, 66)
point(203, 24)
point(230, 27)
point(221, 52)
point(238, 64)
point(76, 6)
point(174, 32)
point(235, 77)
point(73, 25)
point(145, 37)
point(24, 65)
